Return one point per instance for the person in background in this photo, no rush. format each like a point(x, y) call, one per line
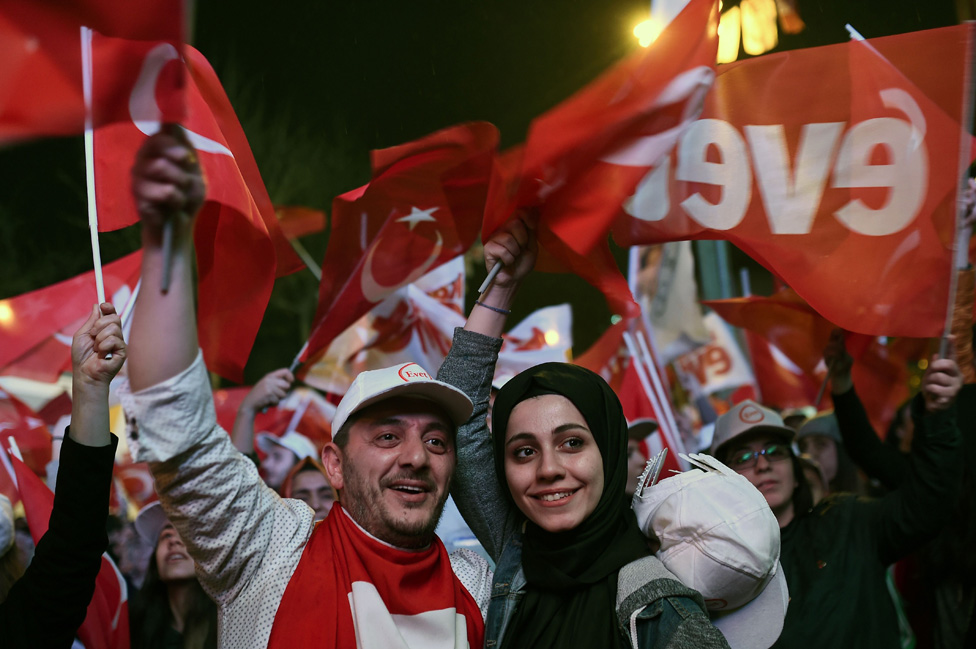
point(815, 477)
point(837, 552)
point(47, 604)
point(819, 437)
point(637, 432)
point(171, 610)
point(308, 483)
point(281, 454)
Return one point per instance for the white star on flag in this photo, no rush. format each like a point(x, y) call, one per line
point(418, 215)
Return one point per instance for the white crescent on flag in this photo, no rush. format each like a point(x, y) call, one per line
point(144, 110)
point(375, 292)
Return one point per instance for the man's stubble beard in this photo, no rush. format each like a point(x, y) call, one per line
point(362, 502)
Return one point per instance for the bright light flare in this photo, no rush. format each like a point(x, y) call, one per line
point(647, 31)
point(552, 337)
point(6, 313)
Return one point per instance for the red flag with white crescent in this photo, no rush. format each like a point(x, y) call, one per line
point(41, 61)
point(239, 244)
point(584, 157)
point(422, 208)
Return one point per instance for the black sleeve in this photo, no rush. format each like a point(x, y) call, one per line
point(48, 604)
point(922, 505)
point(878, 460)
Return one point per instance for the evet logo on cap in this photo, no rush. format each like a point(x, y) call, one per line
point(413, 372)
point(751, 415)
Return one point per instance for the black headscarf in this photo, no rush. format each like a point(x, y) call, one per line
point(570, 599)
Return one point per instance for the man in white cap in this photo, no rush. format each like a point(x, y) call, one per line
point(281, 453)
point(372, 574)
point(835, 554)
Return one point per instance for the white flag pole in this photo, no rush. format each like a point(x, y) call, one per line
point(86, 82)
point(960, 241)
point(295, 363)
point(663, 423)
point(5, 461)
point(663, 398)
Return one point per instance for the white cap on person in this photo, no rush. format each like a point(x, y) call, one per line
point(719, 536)
point(405, 380)
point(294, 441)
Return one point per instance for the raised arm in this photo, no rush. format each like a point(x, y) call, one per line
point(470, 366)
point(167, 186)
point(232, 524)
point(919, 508)
point(868, 452)
point(267, 392)
point(61, 577)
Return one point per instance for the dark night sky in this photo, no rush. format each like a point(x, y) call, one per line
point(318, 84)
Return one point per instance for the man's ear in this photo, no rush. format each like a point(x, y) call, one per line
point(332, 461)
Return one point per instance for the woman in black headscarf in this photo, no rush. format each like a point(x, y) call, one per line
point(573, 569)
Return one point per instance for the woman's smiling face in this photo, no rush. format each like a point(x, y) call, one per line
point(553, 465)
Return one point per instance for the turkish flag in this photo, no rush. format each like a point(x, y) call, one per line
point(416, 323)
point(584, 157)
point(106, 625)
point(847, 195)
point(43, 321)
point(423, 207)
point(41, 61)
point(33, 438)
point(239, 243)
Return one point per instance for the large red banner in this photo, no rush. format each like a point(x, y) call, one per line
point(835, 167)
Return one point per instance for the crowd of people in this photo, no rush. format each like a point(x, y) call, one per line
point(780, 535)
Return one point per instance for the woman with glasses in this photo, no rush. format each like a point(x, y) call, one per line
point(834, 554)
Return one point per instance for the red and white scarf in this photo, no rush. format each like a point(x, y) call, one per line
point(352, 590)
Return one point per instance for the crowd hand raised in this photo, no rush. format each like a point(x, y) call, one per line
point(839, 362)
point(167, 183)
point(942, 380)
point(97, 349)
point(513, 245)
point(270, 390)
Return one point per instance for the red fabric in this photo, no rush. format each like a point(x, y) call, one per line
point(299, 221)
point(33, 438)
point(880, 372)
point(422, 208)
point(782, 384)
point(106, 625)
point(239, 244)
point(637, 405)
point(338, 555)
point(40, 46)
point(771, 166)
point(584, 157)
point(37, 339)
point(37, 316)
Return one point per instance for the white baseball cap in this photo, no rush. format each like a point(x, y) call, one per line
point(150, 521)
point(294, 441)
point(748, 417)
point(719, 536)
point(405, 380)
